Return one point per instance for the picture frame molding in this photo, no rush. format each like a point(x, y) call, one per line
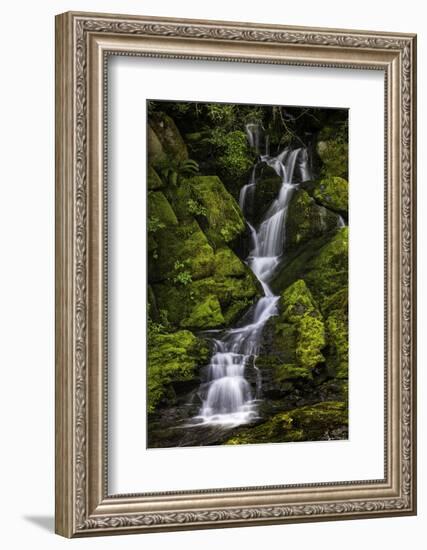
point(83, 43)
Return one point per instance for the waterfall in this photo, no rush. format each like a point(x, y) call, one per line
point(229, 398)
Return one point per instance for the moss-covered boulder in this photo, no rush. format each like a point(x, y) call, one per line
point(156, 153)
point(322, 263)
point(322, 421)
point(183, 255)
point(224, 218)
point(169, 137)
point(327, 273)
point(336, 324)
point(332, 148)
point(292, 352)
point(160, 209)
point(205, 314)
point(173, 359)
point(332, 193)
point(210, 302)
point(306, 220)
point(153, 179)
point(298, 308)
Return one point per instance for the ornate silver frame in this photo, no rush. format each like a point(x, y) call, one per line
point(83, 42)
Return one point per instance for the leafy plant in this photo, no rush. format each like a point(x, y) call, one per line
point(195, 208)
point(160, 326)
point(154, 224)
point(182, 275)
point(234, 156)
point(171, 171)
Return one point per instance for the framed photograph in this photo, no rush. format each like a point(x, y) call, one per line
point(235, 274)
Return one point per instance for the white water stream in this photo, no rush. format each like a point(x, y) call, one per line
point(230, 399)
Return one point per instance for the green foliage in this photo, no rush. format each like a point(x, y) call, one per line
point(222, 114)
point(182, 276)
point(233, 154)
point(154, 224)
point(196, 209)
point(332, 148)
point(157, 327)
point(172, 171)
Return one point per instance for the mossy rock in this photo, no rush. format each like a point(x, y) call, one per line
point(298, 307)
point(205, 314)
point(168, 135)
point(334, 156)
point(322, 263)
point(297, 302)
point(290, 371)
point(332, 193)
point(337, 333)
point(224, 217)
point(327, 272)
point(306, 220)
point(153, 179)
point(195, 304)
point(181, 248)
point(227, 264)
point(156, 153)
point(172, 358)
point(159, 208)
point(322, 421)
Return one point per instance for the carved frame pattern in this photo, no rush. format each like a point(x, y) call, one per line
point(77, 510)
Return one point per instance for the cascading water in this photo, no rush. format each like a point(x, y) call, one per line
point(229, 397)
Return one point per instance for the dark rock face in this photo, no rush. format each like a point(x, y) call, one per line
point(306, 221)
point(267, 187)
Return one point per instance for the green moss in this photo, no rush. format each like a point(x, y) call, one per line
point(332, 192)
point(187, 244)
point(334, 156)
point(227, 264)
point(234, 156)
point(299, 308)
point(297, 301)
point(306, 220)
point(327, 420)
point(311, 339)
point(223, 213)
point(290, 371)
point(337, 333)
point(159, 208)
point(153, 179)
point(327, 273)
point(205, 315)
point(233, 294)
point(172, 358)
point(156, 154)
